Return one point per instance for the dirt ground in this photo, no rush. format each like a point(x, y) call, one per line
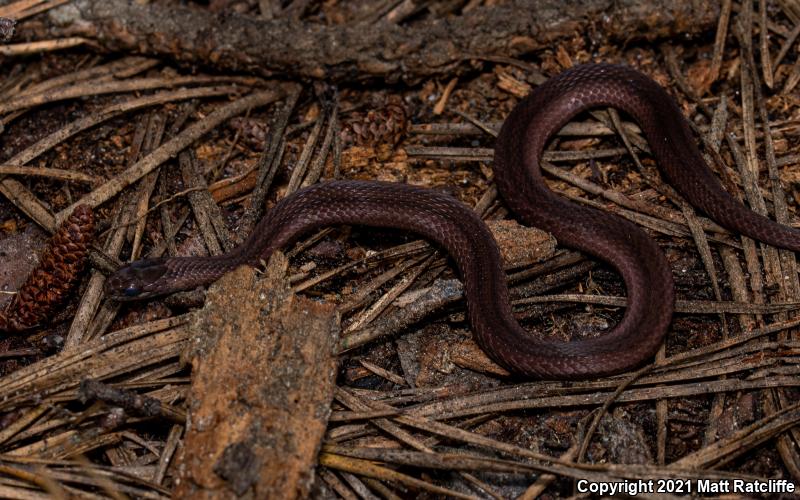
point(349, 370)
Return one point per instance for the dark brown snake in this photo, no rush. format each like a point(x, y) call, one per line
point(444, 220)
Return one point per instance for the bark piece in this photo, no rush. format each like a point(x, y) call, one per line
point(521, 246)
point(358, 51)
point(262, 385)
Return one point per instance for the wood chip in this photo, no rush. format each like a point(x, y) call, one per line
point(263, 379)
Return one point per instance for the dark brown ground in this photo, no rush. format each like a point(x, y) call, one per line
point(417, 410)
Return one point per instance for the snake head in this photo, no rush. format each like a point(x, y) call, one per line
point(135, 281)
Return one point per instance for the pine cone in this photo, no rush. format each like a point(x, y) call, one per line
point(58, 270)
point(383, 126)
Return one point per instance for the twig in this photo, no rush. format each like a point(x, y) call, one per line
point(175, 145)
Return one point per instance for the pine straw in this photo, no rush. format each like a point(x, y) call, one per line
point(49, 428)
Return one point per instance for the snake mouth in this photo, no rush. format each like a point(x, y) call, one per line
point(136, 281)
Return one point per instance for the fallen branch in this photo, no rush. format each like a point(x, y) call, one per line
point(358, 51)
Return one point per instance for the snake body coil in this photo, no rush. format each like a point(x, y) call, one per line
point(457, 229)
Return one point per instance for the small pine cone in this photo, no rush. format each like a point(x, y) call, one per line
point(7, 27)
point(51, 280)
point(384, 126)
point(252, 131)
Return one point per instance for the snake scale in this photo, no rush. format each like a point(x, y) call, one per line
point(456, 228)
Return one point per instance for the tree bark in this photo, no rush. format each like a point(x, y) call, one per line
point(262, 385)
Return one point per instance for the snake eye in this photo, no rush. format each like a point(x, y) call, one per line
point(132, 291)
